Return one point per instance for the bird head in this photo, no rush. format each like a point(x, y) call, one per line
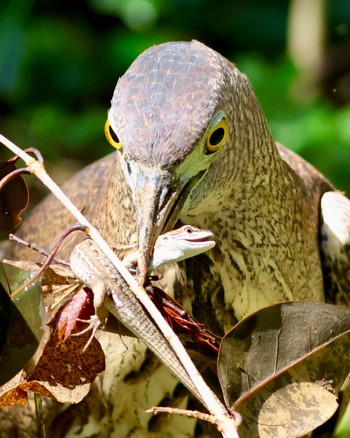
point(179, 118)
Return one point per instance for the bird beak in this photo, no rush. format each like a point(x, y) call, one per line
point(158, 198)
point(154, 197)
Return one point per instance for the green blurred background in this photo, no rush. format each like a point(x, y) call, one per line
point(59, 62)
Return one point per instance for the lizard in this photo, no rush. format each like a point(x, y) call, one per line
point(112, 293)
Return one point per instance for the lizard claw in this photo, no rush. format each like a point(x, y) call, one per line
point(94, 323)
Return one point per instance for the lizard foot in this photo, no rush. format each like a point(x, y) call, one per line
point(94, 323)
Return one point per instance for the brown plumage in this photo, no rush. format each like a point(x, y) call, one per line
point(195, 148)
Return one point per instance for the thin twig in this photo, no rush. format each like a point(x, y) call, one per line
point(49, 259)
point(186, 413)
point(36, 248)
point(13, 174)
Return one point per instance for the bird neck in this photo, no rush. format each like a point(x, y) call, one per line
point(261, 206)
point(266, 232)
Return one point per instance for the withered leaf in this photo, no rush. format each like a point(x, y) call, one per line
point(14, 198)
point(14, 396)
point(193, 334)
point(65, 369)
point(79, 307)
point(285, 408)
point(65, 372)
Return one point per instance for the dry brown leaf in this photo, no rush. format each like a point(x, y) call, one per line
point(64, 372)
point(14, 198)
point(65, 368)
point(14, 397)
point(80, 307)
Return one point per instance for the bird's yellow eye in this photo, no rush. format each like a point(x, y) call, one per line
point(216, 136)
point(112, 136)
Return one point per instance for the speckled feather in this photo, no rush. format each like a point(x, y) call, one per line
point(264, 204)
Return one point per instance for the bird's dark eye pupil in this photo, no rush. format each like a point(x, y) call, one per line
point(113, 135)
point(217, 136)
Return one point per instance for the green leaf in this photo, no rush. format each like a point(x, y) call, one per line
point(343, 428)
point(5, 313)
point(24, 322)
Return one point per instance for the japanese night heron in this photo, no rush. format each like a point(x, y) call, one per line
point(194, 148)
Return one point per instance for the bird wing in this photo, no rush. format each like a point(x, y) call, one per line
point(335, 246)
